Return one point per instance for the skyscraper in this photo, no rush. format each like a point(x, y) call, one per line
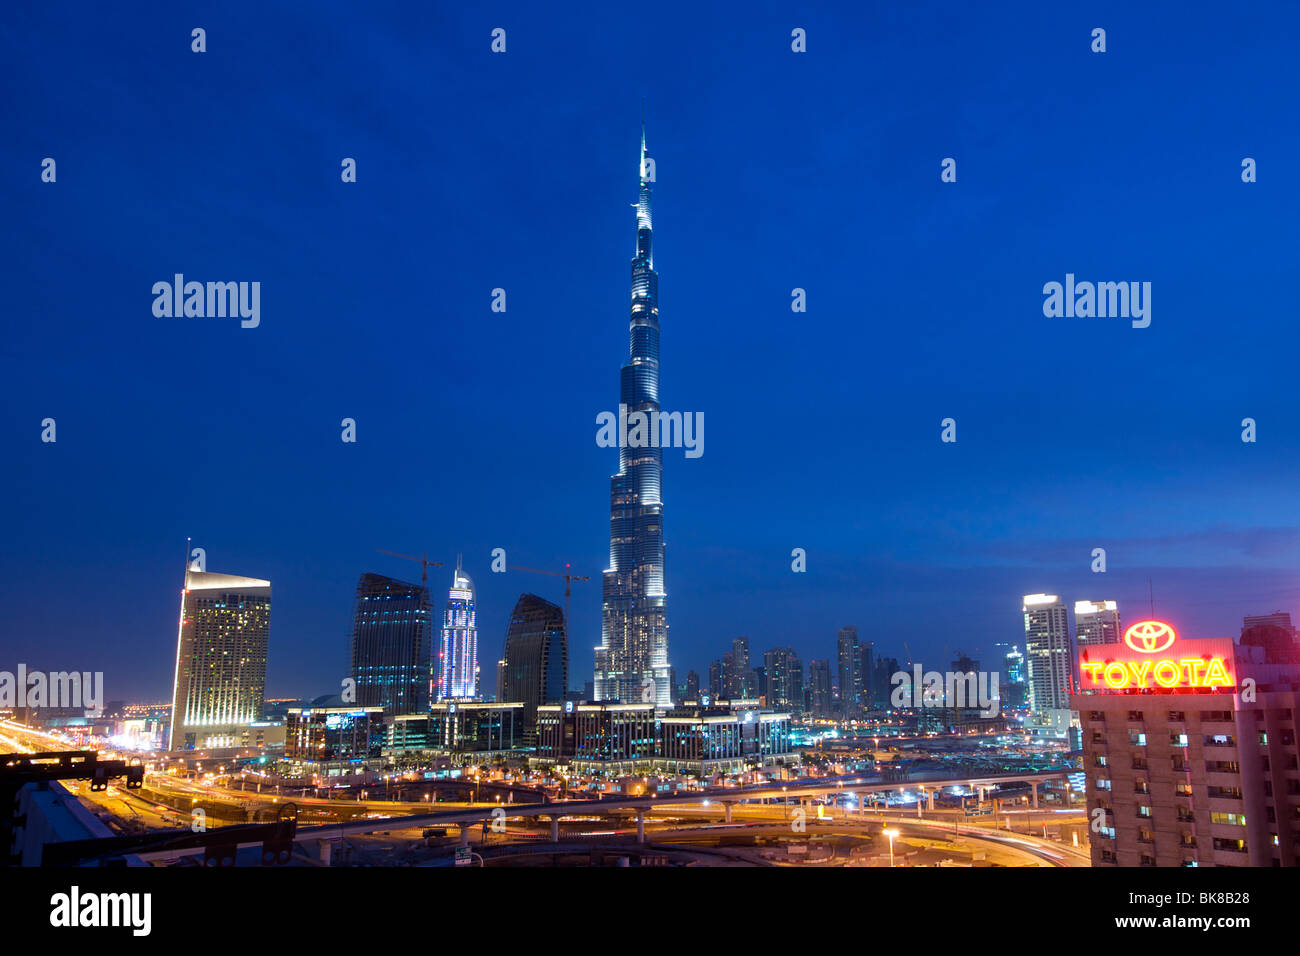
point(820, 697)
point(392, 640)
point(221, 644)
point(783, 672)
point(1047, 652)
point(849, 651)
point(632, 659)
point(458, 657)
point(1096, 622)
point(535, 668)
point(1013, 667)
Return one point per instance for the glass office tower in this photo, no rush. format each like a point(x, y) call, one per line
point(391, 644)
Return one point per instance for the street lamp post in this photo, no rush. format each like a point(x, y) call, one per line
point(891, 834)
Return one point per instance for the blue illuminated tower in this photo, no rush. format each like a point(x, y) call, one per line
point(632, 659)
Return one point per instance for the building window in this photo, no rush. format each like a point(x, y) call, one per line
point(1231, 846)
point(1228, 819)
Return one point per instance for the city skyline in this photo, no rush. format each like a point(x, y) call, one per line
point(825, 423)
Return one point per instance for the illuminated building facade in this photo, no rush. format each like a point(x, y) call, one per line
point(632, 659)
point(334, 740)
point(783, 677)
point(1013, 667)
point(391, 644)
point(457, 675)
point(721, 738)
point(600, 737)
point(221, 644)
point(1186, 770)
point(470, 731)
point(535, 669)
point(703, 738)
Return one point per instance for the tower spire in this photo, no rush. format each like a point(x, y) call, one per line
point(641, 171)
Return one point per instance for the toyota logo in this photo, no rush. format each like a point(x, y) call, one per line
point(1149, 637)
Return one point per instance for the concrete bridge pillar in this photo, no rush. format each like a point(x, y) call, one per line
point(726, 809)
point(930, 805)
point(555, 829)
point(640, 826)
point(323, 847)
point(1034, 784)
point(464, 833)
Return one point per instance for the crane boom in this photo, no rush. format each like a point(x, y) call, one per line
point(424, 562)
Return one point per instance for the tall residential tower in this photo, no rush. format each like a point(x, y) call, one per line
point(1047, 652)
point(632, 659)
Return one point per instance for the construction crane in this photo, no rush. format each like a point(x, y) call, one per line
point(424, 562)
point(568, 581)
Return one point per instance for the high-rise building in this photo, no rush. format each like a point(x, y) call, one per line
point(1273, 632)
point(692, 685)
point(882, 688)
point(849, 651)
point(221, 643)
point(867, 667)
point(1015, 691)
point(1280, 619)
point(458, 656)
point(392, 642)
point(783, 684)
point(1047, 653)
point(536, 663)
point(632, 659)
point(820, 696)
point(718, 677)
point(741, 679)
point(1096, 622)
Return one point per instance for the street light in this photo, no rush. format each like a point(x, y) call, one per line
point(891, 834)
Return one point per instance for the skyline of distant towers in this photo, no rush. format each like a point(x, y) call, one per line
point(457, 674)
point(392, 644)
point(219, 685)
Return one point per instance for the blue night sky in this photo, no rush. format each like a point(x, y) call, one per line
point(775, 170)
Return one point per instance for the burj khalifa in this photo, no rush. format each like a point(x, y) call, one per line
point(632, 659)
